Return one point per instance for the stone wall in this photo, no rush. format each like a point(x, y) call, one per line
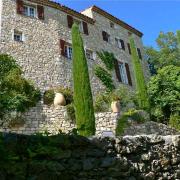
point(77, 158)
point(43, 118)
point(150, 127)
point(39, 55)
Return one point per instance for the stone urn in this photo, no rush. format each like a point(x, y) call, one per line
point(59, 100)
point(115, 106)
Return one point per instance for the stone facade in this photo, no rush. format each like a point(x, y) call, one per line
point(39, 54)
point(77, 158)
point(43, 118)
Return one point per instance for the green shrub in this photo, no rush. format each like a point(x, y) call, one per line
point(50, 94)
point(83, 101)
point(48, 97)
point(102, 102)
point(71, 112)
point(105, 78)
point(121, 125)
point(175, 121)
point(17, 93)
point(123, 122)
point(67, 92)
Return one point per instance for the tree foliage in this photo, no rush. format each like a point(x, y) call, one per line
point(164, 93)
point(167, 52)
point(83, 101)
point(16, 93)
point(139, 77)
point(105, 78)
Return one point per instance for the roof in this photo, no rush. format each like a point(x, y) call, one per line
point(116, 20)
point(64, 9)
point(72, 12)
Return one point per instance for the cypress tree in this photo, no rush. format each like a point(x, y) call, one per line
point(178, 38)
point(83, 101)
point(139, 77)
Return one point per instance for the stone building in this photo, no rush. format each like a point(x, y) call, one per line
point(37, 33)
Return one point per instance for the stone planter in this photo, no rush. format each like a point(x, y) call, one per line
point(59, 100)
point(115, 106)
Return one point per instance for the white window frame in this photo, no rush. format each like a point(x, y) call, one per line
point(123, 73)
point(118, 43)
point(68, 51)
point(18, 33)
point(29, 6)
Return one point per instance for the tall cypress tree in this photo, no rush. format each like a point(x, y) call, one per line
point(139, 77)
point(178, 38)
point(83, 101)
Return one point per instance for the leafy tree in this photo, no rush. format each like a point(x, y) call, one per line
point(83, 101)
point(139, 77)
point(16, 93)
point(178, 38)
point(167, 52)
point(164, 93)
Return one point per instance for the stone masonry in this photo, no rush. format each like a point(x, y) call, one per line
point(43, 118)
point(39, 54)
point(78, 158)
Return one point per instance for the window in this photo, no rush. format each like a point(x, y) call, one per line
point(79, 24)
point(18, 36)
point(123, 74)
point(68, 51)
point(112, 25)
point(129, 48)
point(139, 53)
point(89, 54)
point(106, 36)
point(120, 43)
point(29, 11)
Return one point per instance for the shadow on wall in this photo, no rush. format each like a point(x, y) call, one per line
point(70, 157)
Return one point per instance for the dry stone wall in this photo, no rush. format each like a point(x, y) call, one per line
point(97, 158)
point(43, 118)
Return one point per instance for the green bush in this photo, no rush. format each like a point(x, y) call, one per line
point(67, 92)
point(175, 121)
point(50, 94)
point(121, 125)
point(105, 78)
point(17, 93)
point(102, 102)
point(83, 101)
point(71, 112)
point(164, 93)
point(48, 97)
point(123, 122)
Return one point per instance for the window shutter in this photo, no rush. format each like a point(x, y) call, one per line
point(62, 47)
point(85, 28)
point(139, 53)
point(116, 65)
point(40, 10)
point(70, 21)
point(19, 6)
point(122, 44)
point(129, 48)
point(128, 74)
point(104, 34)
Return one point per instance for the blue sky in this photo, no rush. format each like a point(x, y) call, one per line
point(148, 16)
